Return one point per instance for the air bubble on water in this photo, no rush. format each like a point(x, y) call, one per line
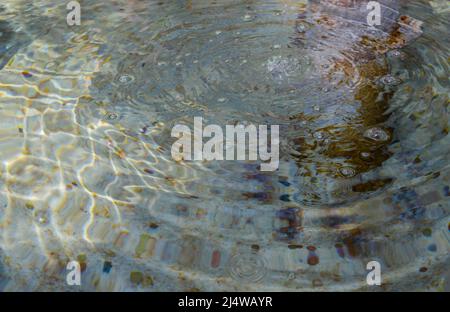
point(248, 17)
point(218, 32)
point(319, 135)
point(178, 63)
point(301, 28)
point(162, 63)
point(221, 100)
point(347, 172)
point(126, 79)
point(396, 53)
point(143, 130)
point(390, 80)
point(195, 61)
point(112, 116)
point(41, 217)
point(277, 46)
point(366, 156)
point(317, 108)
point(376, 134)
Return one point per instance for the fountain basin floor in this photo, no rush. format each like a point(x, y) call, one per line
point(86, 172)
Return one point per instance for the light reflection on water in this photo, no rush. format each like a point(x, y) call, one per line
point(86, 172)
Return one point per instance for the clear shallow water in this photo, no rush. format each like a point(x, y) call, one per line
point(86, 172)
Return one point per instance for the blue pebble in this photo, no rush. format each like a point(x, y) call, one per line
point(432, 247)
point(107, 267)
point(285, 183)
point(447, 190)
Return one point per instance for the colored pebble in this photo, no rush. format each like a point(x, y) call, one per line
point(136, 277)
point(427, 232)
point(285, 183)
point(26, 74)
point(312, 259)
point(447, 190)
point(285, 198)
point(432, 248)
point(149, 171)
point(215, 259)
point(107, 267)
point(340, 250)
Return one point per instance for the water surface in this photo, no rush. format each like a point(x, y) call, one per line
point(86, 172)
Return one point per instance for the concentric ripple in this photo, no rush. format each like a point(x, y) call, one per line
point(247, 267)
point(86, 173)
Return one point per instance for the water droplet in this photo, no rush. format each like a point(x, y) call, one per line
point(126, 79)
point(347, 172)
point(376, 134)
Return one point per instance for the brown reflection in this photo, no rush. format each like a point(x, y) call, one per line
point(355, 65)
